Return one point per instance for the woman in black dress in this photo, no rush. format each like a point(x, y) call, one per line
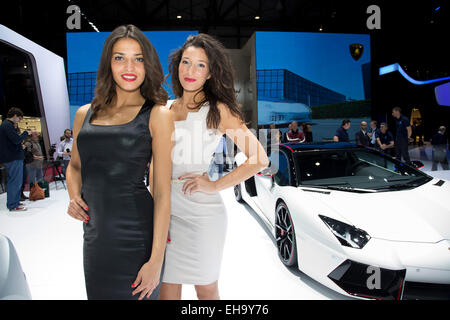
point(125, 228)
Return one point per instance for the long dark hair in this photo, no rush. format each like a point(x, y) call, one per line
point(219, 87)
point(151, 88)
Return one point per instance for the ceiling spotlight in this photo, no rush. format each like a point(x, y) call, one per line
point(179, 17)
point(257, 17)
point(320, 28)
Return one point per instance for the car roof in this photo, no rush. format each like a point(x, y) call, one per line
point(295, 146)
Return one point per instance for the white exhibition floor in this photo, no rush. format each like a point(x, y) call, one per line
point(49, 244)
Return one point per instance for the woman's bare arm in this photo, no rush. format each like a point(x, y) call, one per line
point(247, 142)
point(150, 177)
point(73, 171)
point(161, 129)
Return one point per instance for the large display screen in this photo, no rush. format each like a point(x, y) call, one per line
point(315, 78)
point(83, 56)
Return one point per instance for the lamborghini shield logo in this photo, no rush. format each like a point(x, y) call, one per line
point(356, 50)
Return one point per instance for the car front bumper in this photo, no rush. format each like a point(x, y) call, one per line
point(383, 269)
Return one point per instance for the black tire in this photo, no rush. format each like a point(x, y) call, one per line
point(238, 193)
point(285, 235)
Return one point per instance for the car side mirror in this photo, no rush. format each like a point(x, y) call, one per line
point(417, 164)
point(268, 171)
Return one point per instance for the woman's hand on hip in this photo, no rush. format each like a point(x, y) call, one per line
point(147, 279)
point(197, 182)
point(77, 208)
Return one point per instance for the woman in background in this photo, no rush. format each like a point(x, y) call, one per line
point(34, 168)
point(125, 228)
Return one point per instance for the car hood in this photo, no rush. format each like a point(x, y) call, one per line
point(416, 215)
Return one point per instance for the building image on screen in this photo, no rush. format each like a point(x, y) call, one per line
point(312, 78)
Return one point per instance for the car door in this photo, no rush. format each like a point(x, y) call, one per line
point(267, 181)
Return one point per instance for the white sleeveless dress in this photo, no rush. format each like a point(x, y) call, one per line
point(198, 222)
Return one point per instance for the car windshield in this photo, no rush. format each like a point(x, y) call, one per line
point(356, 168)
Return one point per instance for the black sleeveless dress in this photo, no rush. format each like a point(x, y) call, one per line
point(118, 237)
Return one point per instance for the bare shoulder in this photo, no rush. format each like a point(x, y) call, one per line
point(81, 114)
point(160, 112)
point(83, 109)
point(227, 119)
point(160, 116)
point(223, 109)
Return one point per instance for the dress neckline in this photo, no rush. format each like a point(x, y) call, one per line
point(205, 104)
point(121, 124)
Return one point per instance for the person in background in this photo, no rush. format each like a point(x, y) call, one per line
point(219, 156)
point(306, 128)
point(308, 133)
point(385, 140)
point(295, 135)
point(274, 137)
point(284, 139)
point(361, 136)
point(419, 132)
point(372, 133)
point(439, 143)
point(341, 134)
point(65, 149)
point(269, 133)
point(23, 197)
point(35, 167)
point(277, 136)
point(403, 135)
point(414, 132)
point(12, 156)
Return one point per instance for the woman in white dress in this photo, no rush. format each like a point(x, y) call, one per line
point(205, 109)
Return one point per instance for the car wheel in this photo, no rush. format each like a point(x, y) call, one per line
point(285, 235)
point(238, 193)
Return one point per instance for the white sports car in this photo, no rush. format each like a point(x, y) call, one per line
point(356, 220)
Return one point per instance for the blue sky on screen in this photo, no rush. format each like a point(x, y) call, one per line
point(323, 58)
point(84, 48)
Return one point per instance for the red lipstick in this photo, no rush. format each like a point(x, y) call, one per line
point(189, 80)
point(129, 77)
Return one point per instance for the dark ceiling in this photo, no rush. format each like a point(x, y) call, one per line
point(412, 33)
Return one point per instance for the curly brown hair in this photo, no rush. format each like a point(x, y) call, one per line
point(219, 88)
point(151, 88)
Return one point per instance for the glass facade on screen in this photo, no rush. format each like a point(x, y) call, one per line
point(283, 85)
point(81, 87)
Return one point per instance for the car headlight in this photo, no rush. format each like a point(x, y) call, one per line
point(347, 235)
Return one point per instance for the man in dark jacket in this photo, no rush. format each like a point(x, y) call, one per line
point(361, 137)
point(385, 140)
point(439, 142)
point(403, 135)
point(12, 155)
point(341, 134)
point(372, 133)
